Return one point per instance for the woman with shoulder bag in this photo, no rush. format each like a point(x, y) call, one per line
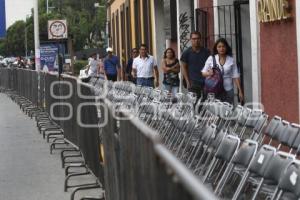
point(171, 68)
point(222, 53)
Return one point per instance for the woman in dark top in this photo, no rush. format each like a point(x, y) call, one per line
point(171, 68)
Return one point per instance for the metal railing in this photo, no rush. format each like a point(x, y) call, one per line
point(135, 165)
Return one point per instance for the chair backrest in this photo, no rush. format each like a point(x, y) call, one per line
point(219, 137)
point(253, 118)
point(290, 179)
point(228, 148)
point(191, 124)
point(290, 135)
point(226, 110)
point(209, 132)
point(245, 153)
point(296, 142)
point(236, 112)
point(262, 159)
point(277, 165)
point(272, 125)
point(244, 116)
point(280, 130)
point(261, 122)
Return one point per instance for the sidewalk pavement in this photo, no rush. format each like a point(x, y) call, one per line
point(27, 170)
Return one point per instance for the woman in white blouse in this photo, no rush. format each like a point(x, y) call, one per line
point(224, 60)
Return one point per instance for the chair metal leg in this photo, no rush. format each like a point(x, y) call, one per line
point(92, 198)
point(241, 185)
point(257, 189)
point(79, 165)
point(84, 188)
point(73, 175)
point(70, 156)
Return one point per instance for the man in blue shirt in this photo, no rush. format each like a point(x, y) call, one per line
point(112, 67)
point(193, 60)
point(134, 54)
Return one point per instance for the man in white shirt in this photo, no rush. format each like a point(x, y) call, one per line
point(144, 68)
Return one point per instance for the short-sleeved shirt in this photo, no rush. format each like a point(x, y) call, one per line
point(93, 67)
point(195, 61)
point(111, 65)
point(144, 66)
point(129, 66)
point(229, 70)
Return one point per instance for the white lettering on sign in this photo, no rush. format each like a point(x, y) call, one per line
point(273, 10)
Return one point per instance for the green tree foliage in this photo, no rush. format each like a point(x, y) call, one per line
point(86, 25)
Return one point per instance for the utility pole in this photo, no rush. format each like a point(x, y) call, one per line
point(36, 37)
point(97, 5)
point(26, 40)
point(47, 6)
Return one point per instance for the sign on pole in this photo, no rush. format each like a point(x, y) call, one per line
point(49, 57)
point(2, 19)
point(57, 29)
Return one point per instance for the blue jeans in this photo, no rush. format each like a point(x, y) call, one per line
point(147, 82)
point(229, 96)
point(171, 89)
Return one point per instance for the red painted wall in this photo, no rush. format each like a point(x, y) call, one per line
point(279, 71)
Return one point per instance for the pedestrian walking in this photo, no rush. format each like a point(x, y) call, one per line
point(192, 61)
point(223, 60)
point(128, 70)
point(112, 68)
point(93, 66)
point(171, 68)
point(145, 69)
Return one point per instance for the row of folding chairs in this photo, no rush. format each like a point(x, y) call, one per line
point(225, 147)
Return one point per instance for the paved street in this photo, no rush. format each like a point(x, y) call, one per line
point(27, 170)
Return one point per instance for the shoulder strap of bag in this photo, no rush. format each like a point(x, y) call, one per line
point(216, 66)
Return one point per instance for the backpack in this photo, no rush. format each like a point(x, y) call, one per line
point(214, 83)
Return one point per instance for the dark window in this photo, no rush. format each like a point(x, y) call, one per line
point(147, 24)
point(128, 28)
point(123, 33)
point(113, 32)
point(137, 21)
point(118, 34)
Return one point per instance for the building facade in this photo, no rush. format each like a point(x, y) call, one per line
point(264, 35)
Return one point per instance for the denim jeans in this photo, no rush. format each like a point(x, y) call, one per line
point(229, 96)
point(171, 89)
point(147, 82)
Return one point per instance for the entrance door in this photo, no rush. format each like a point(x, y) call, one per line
point(243, 46)
point(230, 20)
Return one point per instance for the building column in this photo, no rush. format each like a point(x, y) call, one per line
point(298, 47)
point(255, 51)
point(184, 25)
point(158, 33)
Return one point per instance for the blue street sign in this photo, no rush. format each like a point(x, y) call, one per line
point(48, 57)
point(2, 19)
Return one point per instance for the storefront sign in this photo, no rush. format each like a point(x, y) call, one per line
point(273, 10)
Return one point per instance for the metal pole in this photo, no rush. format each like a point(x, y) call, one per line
point(47, 6)
point(26, 40)
point(36, 36)
point(107, 14)
point(178, 42)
